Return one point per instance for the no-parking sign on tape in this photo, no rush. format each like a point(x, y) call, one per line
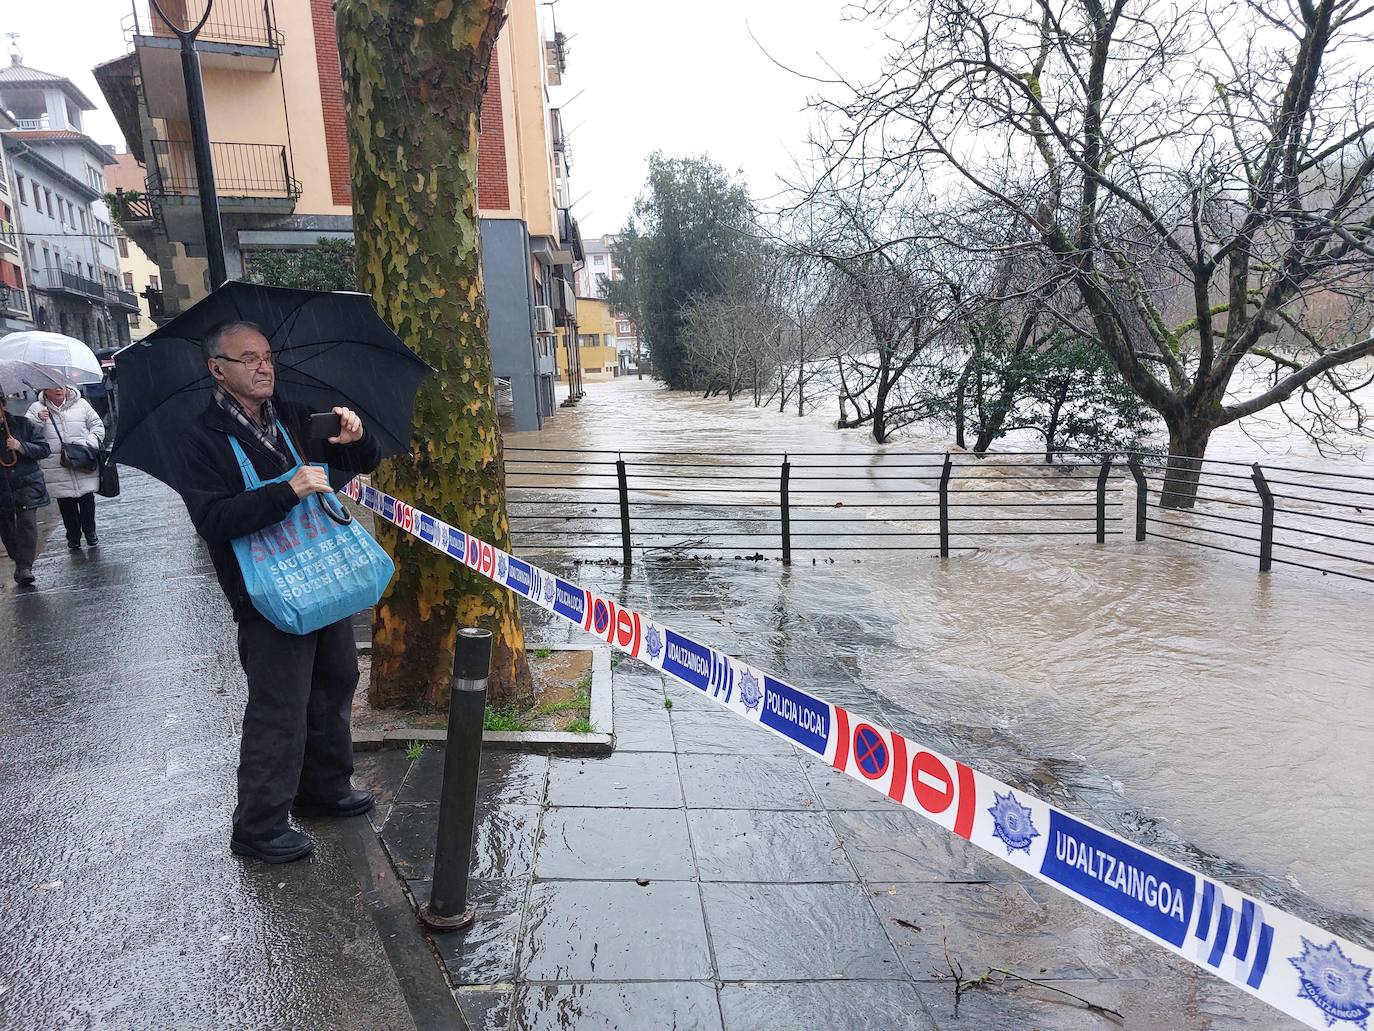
point(1317, 977)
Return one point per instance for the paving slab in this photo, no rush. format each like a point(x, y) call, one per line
point(628, 779)
point(614, 931)
point(765, 845)
point(745, 782)
point(617, 1006)
point(503, 845)
point(811, 1005)
point(615, 844)
point(896, 844)
point(795, 931)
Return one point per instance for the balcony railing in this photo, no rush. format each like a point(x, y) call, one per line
point(14, 300)
point(243, 22)
point(121, 298)
point(570, 234)
point(56, 279)
point(241, 170)
point(9, 236)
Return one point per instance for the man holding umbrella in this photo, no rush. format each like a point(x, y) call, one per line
point(226, 404)
point(297, 752)
point(22, 490)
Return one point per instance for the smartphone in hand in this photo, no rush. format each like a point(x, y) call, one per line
point(324, 425)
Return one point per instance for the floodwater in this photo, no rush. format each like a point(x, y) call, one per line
point(1231, 708)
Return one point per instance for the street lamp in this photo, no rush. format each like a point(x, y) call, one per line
point(200, 141)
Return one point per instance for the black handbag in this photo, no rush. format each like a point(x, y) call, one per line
point(81, 458)
point(109, 475)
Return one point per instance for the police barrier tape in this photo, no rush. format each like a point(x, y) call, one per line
point(1295, 966)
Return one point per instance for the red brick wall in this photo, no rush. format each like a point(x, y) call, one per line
point(493, 184)
point(331, 99)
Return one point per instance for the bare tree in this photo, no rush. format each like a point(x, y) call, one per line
point(1194, 181)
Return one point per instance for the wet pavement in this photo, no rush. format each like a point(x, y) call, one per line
point(707, 875)
point(120, 904)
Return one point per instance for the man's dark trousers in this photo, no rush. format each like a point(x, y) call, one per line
point(19, 533)
point(297, 740)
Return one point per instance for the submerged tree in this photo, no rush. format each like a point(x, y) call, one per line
point(414, 74)
point(1194, 180)
point(685, 239)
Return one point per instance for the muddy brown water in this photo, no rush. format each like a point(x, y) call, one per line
point(1232, 707)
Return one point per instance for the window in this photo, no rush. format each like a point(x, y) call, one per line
point(90, 272)
point(153, 283)
point(47, 202)
point(129, 281)
point(61, 210)
point(589, 339)
point(35, 197)
point(123, 247)
point(19, 181)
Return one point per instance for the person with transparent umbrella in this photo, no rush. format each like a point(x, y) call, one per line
point(22, 491)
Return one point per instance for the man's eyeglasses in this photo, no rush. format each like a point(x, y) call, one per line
point(251, 362)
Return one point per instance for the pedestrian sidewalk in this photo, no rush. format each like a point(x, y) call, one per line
point(708, 875)
point(120, 904)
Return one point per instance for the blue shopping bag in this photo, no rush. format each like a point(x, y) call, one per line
point(315, 567)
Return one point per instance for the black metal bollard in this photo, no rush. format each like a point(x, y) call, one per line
point(448, 908)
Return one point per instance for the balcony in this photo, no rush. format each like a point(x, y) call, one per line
point(14, 300)
point(569, 234)
point(126, 299)
point(240, 36)
point(232, 23)
point(56, 280)
point(9, 236)
point(249, 177)
point(154, 299)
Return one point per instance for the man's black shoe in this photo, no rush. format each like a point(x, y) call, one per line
point(286, 847)
point(355, 803)
point(74, 545)
point(92, 541)
point(23, 576)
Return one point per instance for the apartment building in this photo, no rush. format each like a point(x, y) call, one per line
point(138, 272)
point(279, 146)
point(15, 311)
point(599, 267)
point(596, 353)
point(63, 221)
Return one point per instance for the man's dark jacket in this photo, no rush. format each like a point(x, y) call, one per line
point(22, 484)
point(220, 506)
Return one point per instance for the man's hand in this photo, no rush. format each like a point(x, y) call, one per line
point(13, 444)
point(350, 427)
point(310, 479)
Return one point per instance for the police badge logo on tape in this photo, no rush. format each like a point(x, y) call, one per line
point(550, 591)
point(1011, 822)
point(1334, 983)
point(653, 642)
point(501, 566)
point(749, 692)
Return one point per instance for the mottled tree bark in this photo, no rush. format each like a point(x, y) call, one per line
point(414, 74)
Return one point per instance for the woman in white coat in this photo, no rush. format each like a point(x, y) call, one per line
point(68, 418)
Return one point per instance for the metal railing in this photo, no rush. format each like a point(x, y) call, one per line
point(749, 505)
point(123, 298)
point(70, 282)
point(241, 170)
point(244, 22)
point(14, 299)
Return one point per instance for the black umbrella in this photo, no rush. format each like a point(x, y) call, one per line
point(330, 349)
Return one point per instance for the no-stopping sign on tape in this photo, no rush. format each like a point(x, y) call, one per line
point(1317, 977)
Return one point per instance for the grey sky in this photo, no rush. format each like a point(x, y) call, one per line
point(683, 78)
